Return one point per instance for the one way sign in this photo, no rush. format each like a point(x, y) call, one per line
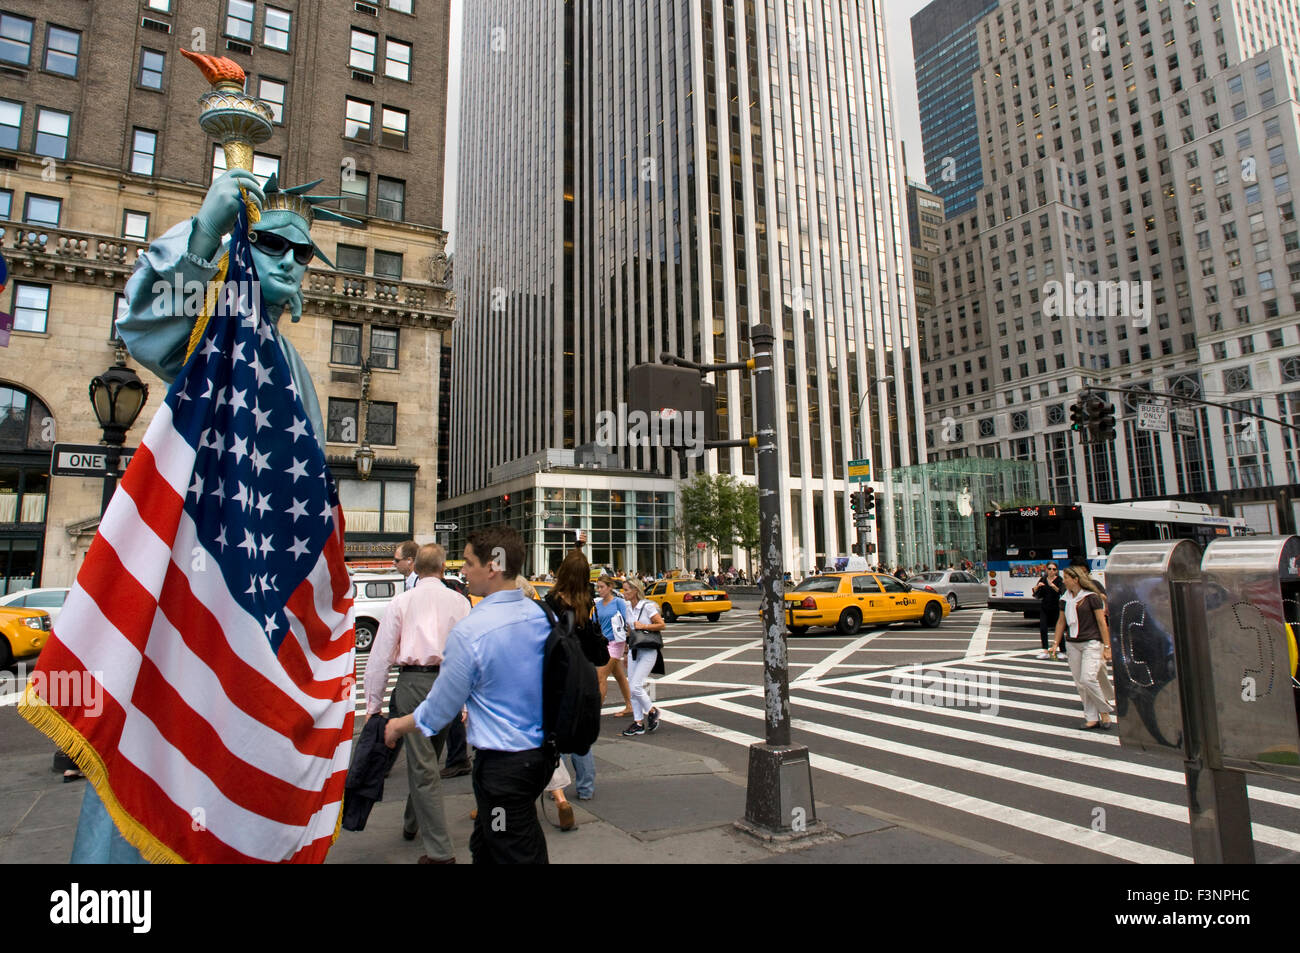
point(86, 460)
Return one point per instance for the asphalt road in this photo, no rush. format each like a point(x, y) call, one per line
point(959, 731)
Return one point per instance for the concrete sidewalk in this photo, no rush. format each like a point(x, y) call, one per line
point(654, 804)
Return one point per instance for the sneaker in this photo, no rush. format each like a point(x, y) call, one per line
point(652, 720)
point(633, 729)
point(1042, 655)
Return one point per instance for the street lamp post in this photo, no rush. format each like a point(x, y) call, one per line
point(862, 450)
point(117, 397)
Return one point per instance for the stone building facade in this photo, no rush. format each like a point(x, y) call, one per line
point(101, 152)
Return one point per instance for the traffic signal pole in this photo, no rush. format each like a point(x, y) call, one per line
point(779, 797)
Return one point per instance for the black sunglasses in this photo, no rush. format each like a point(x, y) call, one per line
point(276, 245)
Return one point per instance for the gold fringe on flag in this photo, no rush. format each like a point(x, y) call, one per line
point(209, 304)
point(54, 726)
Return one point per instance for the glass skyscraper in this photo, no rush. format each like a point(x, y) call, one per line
point(639, 177)
point(946, 50)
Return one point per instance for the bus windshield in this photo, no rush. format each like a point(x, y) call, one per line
point(1031, 537)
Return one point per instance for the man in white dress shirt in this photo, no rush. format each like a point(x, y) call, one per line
point(413, 635)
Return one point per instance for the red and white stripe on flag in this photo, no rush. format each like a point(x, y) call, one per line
point(205, 743)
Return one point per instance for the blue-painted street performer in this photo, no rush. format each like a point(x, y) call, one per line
point(210, 631)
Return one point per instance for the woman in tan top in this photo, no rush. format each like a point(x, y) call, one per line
point(1083, 621)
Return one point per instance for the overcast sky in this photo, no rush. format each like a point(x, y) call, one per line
point(907, 124)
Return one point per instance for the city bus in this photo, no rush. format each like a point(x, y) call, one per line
point(1021, 542)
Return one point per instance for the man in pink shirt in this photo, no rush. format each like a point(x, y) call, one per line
point(412, 636)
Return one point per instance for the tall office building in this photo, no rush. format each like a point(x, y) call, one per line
point(946, 53)
point(639, 177)
point(1149, 147)
point(101, 152)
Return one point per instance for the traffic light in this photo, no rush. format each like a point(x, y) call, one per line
point(1093, 408)
point(1104, 421)
point(868, 500)
point(1079, 415)
point(854, 502)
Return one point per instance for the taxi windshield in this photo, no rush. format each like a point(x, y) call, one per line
point(819, 584)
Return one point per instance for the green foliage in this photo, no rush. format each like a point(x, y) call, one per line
point(720, 511)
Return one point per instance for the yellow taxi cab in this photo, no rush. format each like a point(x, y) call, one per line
point(678, 597)
point(23, 632)
point(847, 600)
point(542, 589)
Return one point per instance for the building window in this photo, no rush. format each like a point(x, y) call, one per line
point(52, 133)
point(120, 311)
point(393, 132)
point(263, 165)
point(165, 6)
point(356, 124)
point(42, 210)
point(383, 348)
point(271, 91)
point(62, 47)
point(239, 20)
point(397, 59)
point(373, 506)
point(345, 347)
point(135, 225)
point(390, 203)
point(355, 188)
point(341, 426)
point(350, 258)
point(151, 68)
point(31, 307)
point(401, 6)
point(381, 424)
point(362, 55)
point(388, 264)
point(11, 122)
point(275, 29)
point(6, 203)
point(143, 145)
point(15, 40)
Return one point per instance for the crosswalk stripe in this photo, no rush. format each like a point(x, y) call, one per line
point(1013, 817)
point(979, 640)
point(703, 663)
point(838, 656)
point(1109, 762)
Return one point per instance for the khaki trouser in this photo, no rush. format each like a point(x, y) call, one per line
point(424, 802)
point(1090, 677)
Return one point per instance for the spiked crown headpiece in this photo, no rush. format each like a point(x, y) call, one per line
point(292, 209)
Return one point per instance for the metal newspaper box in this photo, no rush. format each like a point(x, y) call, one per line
point(1147, 584)
point(1251, 589)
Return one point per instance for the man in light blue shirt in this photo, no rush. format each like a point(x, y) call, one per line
point(493, 667)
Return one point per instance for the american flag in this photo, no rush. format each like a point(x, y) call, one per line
point(212, 613)
point(1103, 533)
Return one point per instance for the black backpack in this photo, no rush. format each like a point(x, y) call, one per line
point(570, 693)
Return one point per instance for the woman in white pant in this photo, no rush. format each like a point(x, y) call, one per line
point(643, 616)
point(1083, 621)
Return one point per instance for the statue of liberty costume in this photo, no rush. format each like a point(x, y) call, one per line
point(162, 340)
